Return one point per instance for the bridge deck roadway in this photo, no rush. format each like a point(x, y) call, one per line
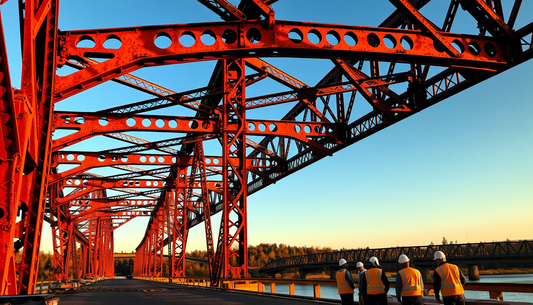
point(137, 292)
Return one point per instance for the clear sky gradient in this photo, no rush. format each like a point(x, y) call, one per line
point(462, 169)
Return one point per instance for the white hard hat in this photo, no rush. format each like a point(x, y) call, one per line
point(374, 261)
point(342, 261)
point(403, 259)
point(438, 255)
point(359, 264)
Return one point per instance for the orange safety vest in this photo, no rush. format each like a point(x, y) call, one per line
point(411, 285)
point(374, 284)
point(450, 281)
point(342, 284)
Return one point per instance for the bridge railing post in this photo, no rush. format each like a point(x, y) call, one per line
point(316, 290)
point(498, 295)
point(291, 288)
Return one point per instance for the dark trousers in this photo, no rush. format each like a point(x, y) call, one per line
point(347, 298)
point(454, 300)
point(377, 299)
point(416, 300)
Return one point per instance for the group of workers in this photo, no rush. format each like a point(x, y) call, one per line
point(448, 279)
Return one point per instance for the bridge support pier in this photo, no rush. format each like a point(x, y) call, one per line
point(333, 273)
point(473, 273)
point(426, 273)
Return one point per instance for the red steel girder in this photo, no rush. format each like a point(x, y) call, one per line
point(88, 160)
point(120, 122)
point(232, 250)
point(81, 192)
point(138, 48)
point(90, 124)
point(39, 41)
point(206, 205)
point(11, 163)
point(119, 183)
point(62, 236)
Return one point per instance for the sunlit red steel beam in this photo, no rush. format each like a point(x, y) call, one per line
point(88, 160)
point(120, 122)
point(11, 164)
point(206, 205)
point(39, 41)
point(179, 223)
point(231, 260)
point(137, 172)
point(87, 190)
point(131, 57)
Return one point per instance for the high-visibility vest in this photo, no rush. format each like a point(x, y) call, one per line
point(374, 284)
point(342, 284)
point(411, 285)
point(450, 281)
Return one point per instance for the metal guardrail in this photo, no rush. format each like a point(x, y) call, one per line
point(477, 252)
point(495, 290)
point(39, 287)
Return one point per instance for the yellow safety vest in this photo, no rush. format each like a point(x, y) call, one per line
point(342, 284)
point(450, 281)
point(411, 285)
point(374, 284)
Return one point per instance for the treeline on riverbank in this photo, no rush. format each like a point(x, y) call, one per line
point(258, 256)
point(46, 266)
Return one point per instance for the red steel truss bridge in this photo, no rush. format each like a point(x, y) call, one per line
point(475, 254)
point(403, 65)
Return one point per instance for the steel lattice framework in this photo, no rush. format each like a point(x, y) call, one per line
point(173, 180)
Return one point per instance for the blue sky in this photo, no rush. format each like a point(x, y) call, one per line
point(461, 169)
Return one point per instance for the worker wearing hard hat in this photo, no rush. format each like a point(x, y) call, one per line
point(360, 267)
point(345, 284)
point(449, 280)
point(374, 285)
point(409, 283)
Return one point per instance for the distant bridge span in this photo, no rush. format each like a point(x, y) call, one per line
point(422, 256)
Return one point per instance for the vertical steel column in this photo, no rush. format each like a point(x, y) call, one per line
point(170, 208)
point(10, 174)
point(76, 267)
point(180, 229)
point(109, 270)
point(84, 260)
point(159, 237)
point(233, 229)
point(200, 160)
point(38, 71)
point(61, 236)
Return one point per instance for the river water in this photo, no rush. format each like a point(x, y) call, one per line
point(330, 292)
